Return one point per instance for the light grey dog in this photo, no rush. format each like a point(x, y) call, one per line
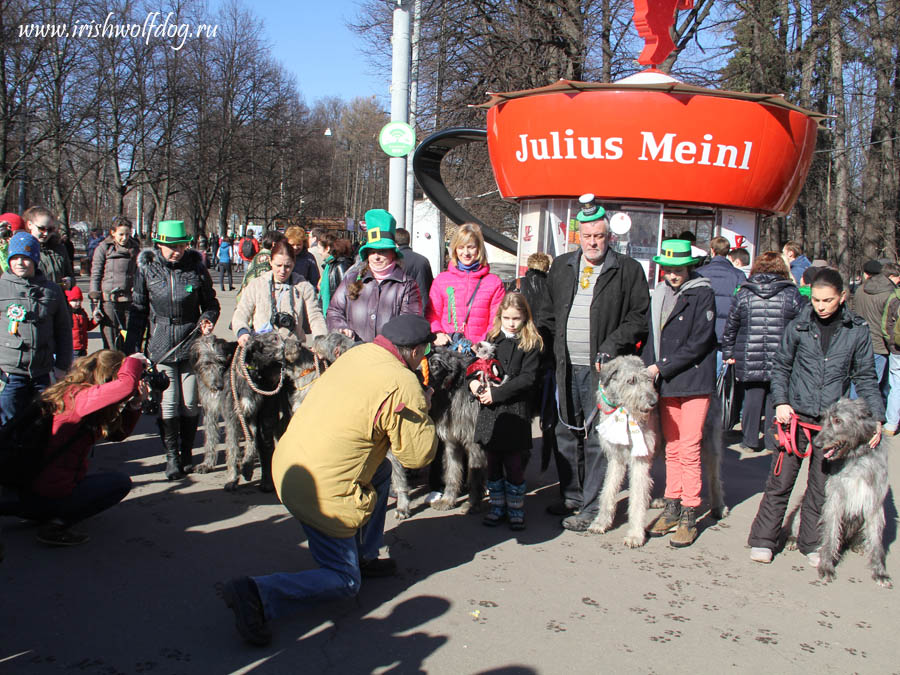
point(855, 490)
point(624, 384)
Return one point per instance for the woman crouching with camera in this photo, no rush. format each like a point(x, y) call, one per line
point(283, 301)
point(99, 399)
point(175, 302)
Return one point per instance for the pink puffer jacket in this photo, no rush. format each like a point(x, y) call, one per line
point(459, 285)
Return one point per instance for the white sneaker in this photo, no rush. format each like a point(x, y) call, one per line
point(761, 555)
point(813, 558)
point(433, 497)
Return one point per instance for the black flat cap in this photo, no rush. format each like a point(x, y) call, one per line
point(408, 330)
point(872, 267)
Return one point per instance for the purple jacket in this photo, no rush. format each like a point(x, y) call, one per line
point(378, 303)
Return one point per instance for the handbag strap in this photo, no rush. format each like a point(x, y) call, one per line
point(471, 302)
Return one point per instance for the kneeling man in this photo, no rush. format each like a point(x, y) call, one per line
point(331, 473)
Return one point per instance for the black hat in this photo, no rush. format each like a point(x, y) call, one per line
point(408, 330)
point(872, 267)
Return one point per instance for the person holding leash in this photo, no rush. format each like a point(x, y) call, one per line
point(174, 295)
point(824, 349)
point(336, 481)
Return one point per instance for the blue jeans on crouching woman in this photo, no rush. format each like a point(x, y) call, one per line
point(338, 575)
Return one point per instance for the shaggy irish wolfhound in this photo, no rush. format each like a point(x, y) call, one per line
point(454, 411)
point(856, 488)
point(624, 384)
point(271, 374)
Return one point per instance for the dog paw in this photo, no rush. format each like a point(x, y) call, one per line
point(719, 512)
point(882, 579)
point(635, 540)
point(598, 527)
point(247, 471)
point(826, 573)
point(443, 504)
point(790, 544)
point(203, 468)
point(658, 503)
point(470, 507)
point(231, 486)
point(401, 515)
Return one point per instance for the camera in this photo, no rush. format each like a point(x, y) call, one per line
point(158, 383)
point(284, 320)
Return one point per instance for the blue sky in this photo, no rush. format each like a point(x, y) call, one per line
point(311, 40)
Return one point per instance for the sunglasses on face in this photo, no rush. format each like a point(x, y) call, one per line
point(46, 228)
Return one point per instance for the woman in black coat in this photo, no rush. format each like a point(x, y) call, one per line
point(763, 307)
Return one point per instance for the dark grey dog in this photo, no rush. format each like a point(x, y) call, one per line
point(454, 411)
point(856, 488)
point(625, 384)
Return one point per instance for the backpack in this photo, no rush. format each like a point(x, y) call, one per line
point(23, 441)
point(247, 249)
point(895, 338)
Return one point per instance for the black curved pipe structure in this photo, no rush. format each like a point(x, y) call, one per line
point(427, 170)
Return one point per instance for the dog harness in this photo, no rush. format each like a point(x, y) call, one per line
point(788, 441)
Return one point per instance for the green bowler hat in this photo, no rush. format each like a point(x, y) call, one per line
point(676, 253)
point(380, 230)
point(172, 232)
point(590, 209)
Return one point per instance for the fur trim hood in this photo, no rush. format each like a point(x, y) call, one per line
point(191, 258)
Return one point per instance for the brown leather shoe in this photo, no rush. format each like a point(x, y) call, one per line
point(667, 521)
point(686, 534)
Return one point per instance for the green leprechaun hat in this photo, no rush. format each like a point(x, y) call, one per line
point(172, 232)
point(590, 209)
point(380, 230)
point(675, 253)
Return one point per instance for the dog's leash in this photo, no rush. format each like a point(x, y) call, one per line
point(788, 442)
point(245, 373)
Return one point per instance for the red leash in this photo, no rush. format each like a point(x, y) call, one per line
point(788, 443)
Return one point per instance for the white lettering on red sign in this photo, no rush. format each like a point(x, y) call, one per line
point(668, 149)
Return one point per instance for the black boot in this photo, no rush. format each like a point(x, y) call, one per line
point(169, 432)
point(188, 431)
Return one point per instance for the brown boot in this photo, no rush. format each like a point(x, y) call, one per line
point(667, 520)
point(686, 533)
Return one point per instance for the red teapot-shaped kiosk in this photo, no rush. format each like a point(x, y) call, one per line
point(662, 156)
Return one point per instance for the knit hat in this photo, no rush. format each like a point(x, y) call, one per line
point(16, 224)
point(408, 330)
point(380, 229)
point(22, 243)
point(675, 253)
point(172, 232)
point(74, 294)
point(872, 267)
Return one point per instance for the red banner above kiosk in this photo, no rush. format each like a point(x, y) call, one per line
point(651, 138)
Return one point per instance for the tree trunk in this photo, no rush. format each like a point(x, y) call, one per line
point(839, 204)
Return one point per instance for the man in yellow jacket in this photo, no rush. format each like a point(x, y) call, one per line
point(331, 472)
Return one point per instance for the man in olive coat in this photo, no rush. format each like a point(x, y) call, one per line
point(599, 300)
point(331, 472)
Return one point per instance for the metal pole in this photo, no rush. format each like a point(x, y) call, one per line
point(399, 108)
point(413, 98)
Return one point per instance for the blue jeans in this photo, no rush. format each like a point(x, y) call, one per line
point(95, 493)
point(18, 390)
point(881, 374)
point(579, 460)
point(338, 573)
point(893, 401)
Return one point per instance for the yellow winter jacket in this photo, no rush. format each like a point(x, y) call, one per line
point(366, 403)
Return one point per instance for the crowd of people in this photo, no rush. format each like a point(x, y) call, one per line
point(788, 333)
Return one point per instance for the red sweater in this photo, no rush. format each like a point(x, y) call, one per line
point(81, 324)
point(59, 478)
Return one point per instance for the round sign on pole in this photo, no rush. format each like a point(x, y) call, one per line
point(397, 139)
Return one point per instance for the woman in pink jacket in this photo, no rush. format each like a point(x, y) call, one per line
point(464, 299)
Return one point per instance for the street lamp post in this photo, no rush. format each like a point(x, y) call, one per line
point(399, 108)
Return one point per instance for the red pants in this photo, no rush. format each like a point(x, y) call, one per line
point(682, 420)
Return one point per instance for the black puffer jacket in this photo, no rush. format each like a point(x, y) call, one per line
point(173, 297)
point(762, 309)
point(809, 380)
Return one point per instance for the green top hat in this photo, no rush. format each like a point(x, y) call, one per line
point(171, 232)
point(380, 229)
point(676, 253)
point(590, 209)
